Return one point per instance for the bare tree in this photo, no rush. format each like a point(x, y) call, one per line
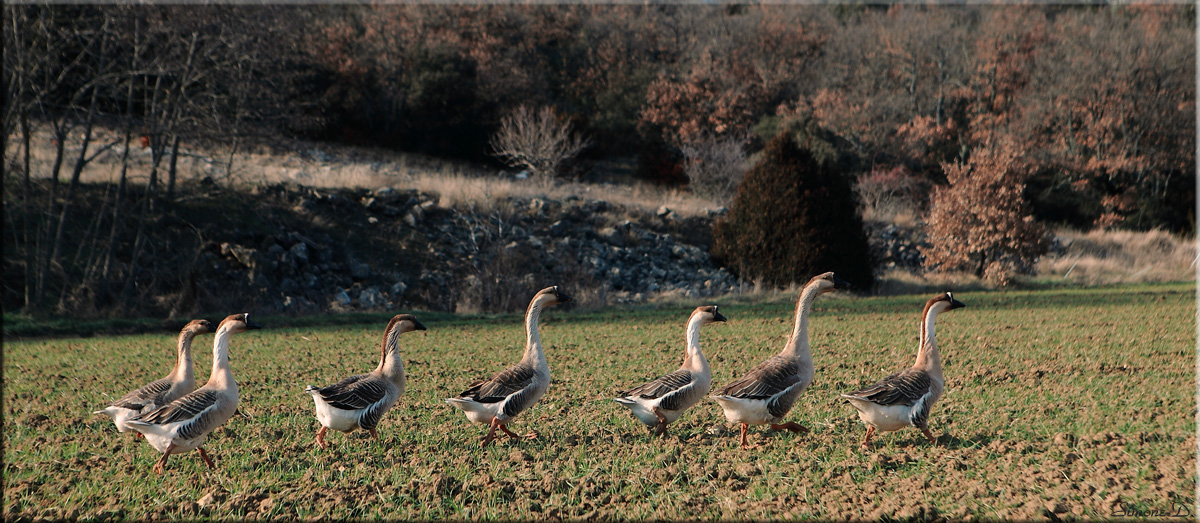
point(537, 141)
point(714, 166)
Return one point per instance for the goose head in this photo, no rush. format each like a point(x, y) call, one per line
point(943, 302)
point(551, 296)
point(198, 327)
point(236, 323)
point(405, 323)
point(827, 282)
point(708, 314)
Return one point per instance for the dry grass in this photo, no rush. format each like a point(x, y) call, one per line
point(1121, 257)
point(898, 282)
point(458, 184)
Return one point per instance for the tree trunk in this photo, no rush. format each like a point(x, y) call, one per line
point(171, 169)
point(26, 213)
point(42, 261)
point(80, 162)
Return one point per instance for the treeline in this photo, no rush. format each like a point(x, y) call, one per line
point(1101, 98)
point(1097, 101)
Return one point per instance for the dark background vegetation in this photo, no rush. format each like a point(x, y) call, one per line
point(1098, 99)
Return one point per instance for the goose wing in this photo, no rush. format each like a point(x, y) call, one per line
point(518, 384)
point(362, 392)
point(902, 388)
point(768, 379)
point(196, 412)
point(662, 385)
point(505, 383)
point(151, 394)
point(353, 393)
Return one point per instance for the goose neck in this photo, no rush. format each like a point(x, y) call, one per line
point(221, 372)
point(183, 370)
point(693, 357)
point(390, 364)
point(533, 339)
point(797, 344)
point(928, 358)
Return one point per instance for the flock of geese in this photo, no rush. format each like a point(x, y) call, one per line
point(176, 419)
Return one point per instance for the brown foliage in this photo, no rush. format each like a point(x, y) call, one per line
point(981, 222)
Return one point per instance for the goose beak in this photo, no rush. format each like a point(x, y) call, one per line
point(250, 324)
point(839, 283)
point(718, 317)
point(955, 304)
point(561, 296)
point(418, 325)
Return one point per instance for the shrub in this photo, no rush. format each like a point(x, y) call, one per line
point(793, 217)
point(538, 141)
point(981, 221)
point(889, 193)
point(714, 166)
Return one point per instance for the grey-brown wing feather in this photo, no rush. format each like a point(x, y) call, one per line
point(902, 388)
point(151, 394)
point(662, 385)
point(504, 384)
point(519, 401)
point(675, 399)
point(355, 392)
point(768, 379)
point(191, 405)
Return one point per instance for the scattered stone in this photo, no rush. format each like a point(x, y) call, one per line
point(397, 289)
point(359, 271)
point(299, 251)
point(371, 298)
point(341, 300)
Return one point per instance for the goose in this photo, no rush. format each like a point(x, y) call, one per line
point(361, 400)
point(180, 381)
point(768, 391)
point(661, 402)
point(184, 424)
point(905, 398)
point(496, 400)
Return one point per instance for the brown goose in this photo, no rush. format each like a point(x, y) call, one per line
point(766, 393)
point(496, 400)
point(180, 381)
point(905, 398)
point(361, 400)
point(661, 402)
point(184, 424)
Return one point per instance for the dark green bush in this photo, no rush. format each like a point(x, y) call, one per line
point(793, 217)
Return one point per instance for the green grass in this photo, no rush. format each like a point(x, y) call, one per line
point(1080, 397)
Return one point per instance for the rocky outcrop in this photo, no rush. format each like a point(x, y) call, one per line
point(896, 247)
point(390, 248)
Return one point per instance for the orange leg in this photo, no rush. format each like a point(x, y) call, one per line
point(491, 435)
point(661, 428)
point(511, 434)
point(745, 427)
point(929, 436)
point(207, 460)
point(790, 426)
point(867, 440)
point(158, 466)
point(533, 434)
point(321, 438)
